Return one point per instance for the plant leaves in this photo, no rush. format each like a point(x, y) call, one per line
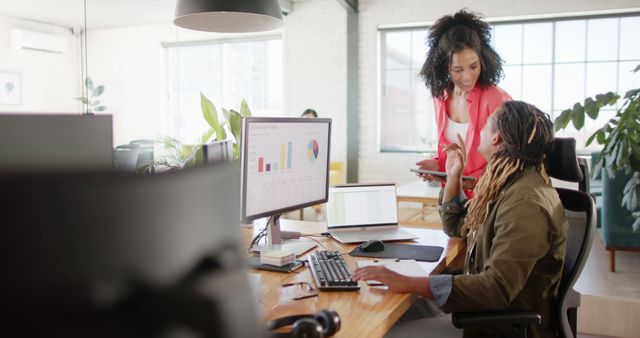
point(612, 98)
point(206, 136)
point(235, 124)
point(630, 198)
point(591, 108)
point(590, 139)
point(601, 137)
point(88, 83)
point(598, 167)
point(82, 99)
point(631, 93)
point(578, 116)
point(95, 103)
point(562, 120)
point(97, 91)
point(636, 225)
point(209, 112)
point(636, 69)
point(244, 109)
point(99, 108)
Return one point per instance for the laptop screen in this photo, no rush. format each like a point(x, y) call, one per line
point(362, 205)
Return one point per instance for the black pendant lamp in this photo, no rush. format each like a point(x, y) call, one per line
point(229, 16)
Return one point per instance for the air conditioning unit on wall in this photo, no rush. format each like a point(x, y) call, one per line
point(50, 43)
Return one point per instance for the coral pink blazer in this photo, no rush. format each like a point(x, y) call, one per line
point(482, 101)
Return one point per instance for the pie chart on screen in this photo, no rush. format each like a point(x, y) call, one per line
point(312, 150)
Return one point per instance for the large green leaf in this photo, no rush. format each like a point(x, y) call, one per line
point(562, 120)
point(601, 137)
point(209, 112)
point(99, 108)
point(578, 116)
point(235, 124)
point(88, 83)
point(591, 108)
point(97, 91)
point(244, 109)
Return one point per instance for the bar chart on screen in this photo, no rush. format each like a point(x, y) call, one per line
point(286, 158)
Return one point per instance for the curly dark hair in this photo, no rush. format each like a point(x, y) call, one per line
point(451, 34)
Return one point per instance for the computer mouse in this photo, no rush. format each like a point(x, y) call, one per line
point(372, 246)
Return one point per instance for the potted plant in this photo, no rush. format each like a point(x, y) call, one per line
point(620, 140)
point(186, 155)
point(91, 100)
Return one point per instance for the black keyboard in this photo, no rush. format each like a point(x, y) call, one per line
point(331, 272)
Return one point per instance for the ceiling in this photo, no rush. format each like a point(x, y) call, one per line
point(100, 13)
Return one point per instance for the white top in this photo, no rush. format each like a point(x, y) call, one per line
point(454, 128)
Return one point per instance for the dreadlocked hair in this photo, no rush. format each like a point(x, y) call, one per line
point(527, 135)
point(451, 34)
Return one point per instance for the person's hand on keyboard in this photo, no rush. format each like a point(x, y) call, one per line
point(394, 281)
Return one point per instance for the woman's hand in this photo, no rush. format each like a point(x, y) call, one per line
point(456, 158)
point(394, 281)
point(429, 164)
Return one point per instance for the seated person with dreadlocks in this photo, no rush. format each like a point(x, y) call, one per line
point(514, 226)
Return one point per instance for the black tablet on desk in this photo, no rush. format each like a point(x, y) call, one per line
point(439, 174)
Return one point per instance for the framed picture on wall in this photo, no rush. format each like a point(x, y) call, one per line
point(10, 88)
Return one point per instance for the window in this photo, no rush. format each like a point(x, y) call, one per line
point(549, 63)
point(226, 72)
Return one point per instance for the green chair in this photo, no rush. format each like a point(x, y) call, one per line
point(615, 220)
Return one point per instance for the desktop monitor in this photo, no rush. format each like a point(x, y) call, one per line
point(285, 166)
point(55, 141)
point(114, 254)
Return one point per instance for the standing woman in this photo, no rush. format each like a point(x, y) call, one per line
point(462, 71)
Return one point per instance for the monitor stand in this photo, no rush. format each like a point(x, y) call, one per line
point(284, 240)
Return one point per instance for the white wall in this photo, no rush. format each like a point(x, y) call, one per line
point(315, 66)
point(130, 62)
point(49, 82)
point(375, 166)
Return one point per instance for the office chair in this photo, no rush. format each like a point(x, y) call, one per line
point(580, 213)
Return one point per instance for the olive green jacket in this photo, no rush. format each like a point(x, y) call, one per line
point(518, 257)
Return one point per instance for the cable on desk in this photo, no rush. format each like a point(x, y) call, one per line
point(315, 240)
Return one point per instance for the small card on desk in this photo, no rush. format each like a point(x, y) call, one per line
point(407, 267)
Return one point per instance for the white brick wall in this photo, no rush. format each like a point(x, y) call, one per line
point(315, 66)
point(375, 166)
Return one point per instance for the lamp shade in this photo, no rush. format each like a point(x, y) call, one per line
point(229, 16)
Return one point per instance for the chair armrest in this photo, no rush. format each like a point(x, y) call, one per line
point(463, 320)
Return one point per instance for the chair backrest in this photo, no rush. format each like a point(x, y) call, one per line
point(580, 214)
point(579, 209)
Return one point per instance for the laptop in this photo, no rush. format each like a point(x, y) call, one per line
point(362, 212)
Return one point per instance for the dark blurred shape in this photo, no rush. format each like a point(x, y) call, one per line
point(217, 151)
point(111, 254)
point(55, 141)
point(309, 113)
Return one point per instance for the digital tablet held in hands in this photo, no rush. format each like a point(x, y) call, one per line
point(439, 174)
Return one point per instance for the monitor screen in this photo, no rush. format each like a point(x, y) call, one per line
point(285, 164)
point(362, 205)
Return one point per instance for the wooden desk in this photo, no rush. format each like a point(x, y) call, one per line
point(369, 312)
point(425, 194)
